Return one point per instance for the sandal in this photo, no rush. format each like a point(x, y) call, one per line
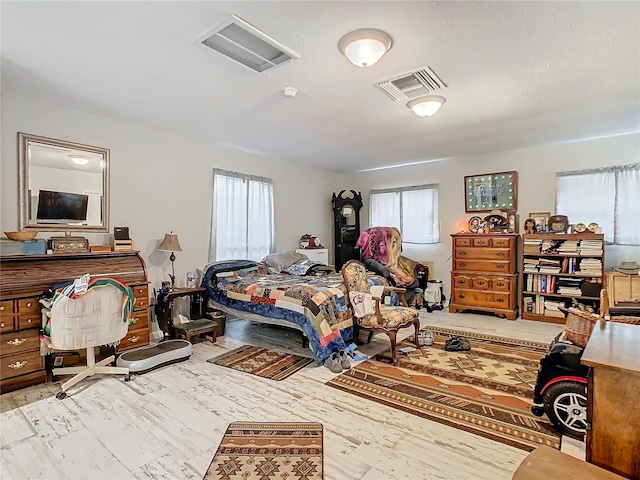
point(457, 344)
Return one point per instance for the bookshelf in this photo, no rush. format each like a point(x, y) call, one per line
point(558, 269)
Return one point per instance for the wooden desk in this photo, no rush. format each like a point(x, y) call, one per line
point(613, 398)
point(197, 301)
point(622, 288)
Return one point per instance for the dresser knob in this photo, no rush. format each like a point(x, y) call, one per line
point(500, 254)
point(500, 265)
point(29, 320)
point(500, 300)
point(2, 325)
point(16, 342)
point(500, 284)
point(133, 320)
point(480, 282)
point(134, 339)
point(462, 281)
point(461, 296)
point(29, 304)
point(462, 252)
point(1, 307)
point(462, 264)
point(140, 303)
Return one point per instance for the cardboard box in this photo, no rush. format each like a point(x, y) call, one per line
point(29, 247)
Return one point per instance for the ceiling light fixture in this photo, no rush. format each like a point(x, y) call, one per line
point(79, 159)
point(365, 47)
point(426, 106)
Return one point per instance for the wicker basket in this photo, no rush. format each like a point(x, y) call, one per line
point(628, 319)
point(579, 326)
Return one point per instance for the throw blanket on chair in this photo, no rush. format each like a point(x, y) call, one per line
point(384, 245)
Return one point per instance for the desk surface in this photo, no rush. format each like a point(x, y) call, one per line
point(614, 345)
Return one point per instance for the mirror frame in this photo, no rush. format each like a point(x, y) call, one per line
point(23, 191)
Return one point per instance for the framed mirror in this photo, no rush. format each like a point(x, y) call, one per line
point(63, 185)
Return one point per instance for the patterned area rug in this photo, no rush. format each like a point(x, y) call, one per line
point(264, 451)
point(487, 390)
point(262, 362)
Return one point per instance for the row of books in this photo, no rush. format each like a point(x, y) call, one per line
point(588, 266)
point(591, 247)
point(570, 286)
point(564, 247)
point(542, 306)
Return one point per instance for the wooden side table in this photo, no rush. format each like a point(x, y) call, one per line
point(165, 310)
point(196, 328)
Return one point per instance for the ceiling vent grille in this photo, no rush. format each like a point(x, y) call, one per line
point(245, 44)
point(411, 85)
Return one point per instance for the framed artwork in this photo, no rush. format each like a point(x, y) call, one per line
point(490, 191)
point(475, 224)
point(541, 219)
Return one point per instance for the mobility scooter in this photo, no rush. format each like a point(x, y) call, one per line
point(561, 388)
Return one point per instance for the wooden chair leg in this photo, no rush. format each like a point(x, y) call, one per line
point(369, 337)
point(416, 325)
point(394, 351)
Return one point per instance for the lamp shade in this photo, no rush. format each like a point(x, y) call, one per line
point(170, 243)
point(426, 106)
point(365, 47)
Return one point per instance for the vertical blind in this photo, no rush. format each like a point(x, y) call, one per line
point(609, 197)
point(413, 210)
point(241, 217)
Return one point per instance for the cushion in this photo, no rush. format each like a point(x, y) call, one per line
point(276, 262)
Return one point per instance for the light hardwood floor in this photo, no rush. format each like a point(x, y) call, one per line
point(167, 424)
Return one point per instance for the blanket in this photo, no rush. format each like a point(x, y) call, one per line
point(317, 305)
point(384, 245)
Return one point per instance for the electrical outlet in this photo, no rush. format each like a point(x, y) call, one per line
point(58, 361)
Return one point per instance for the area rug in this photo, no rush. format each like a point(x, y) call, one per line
point(487, 390)
point(264, 451)
point(262, 362)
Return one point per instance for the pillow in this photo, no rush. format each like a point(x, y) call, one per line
point(276, 262)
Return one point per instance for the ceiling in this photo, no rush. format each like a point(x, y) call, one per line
point(519, 74)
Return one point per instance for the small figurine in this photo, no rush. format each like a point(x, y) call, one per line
point(529, 225)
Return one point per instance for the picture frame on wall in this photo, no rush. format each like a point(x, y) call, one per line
point(542, 221)
point(491, 191)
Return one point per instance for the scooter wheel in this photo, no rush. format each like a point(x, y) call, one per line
point(565, 403)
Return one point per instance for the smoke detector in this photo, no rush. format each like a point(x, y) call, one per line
point(290, 92)
point(242, 42)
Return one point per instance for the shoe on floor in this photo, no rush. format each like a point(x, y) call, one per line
point(333, 363)
point(344, 360)
point(457, 344)
point(425, 339)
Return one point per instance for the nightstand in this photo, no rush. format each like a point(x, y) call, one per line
point(318, 254)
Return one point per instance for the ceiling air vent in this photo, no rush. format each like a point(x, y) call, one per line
point(411, 85)
point(244, 43)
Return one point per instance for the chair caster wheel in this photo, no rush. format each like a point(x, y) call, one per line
point(61, 395)
point(127, 378)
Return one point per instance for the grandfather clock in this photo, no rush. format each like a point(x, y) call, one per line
point(346, 226)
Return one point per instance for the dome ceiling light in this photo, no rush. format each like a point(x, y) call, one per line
point(365, 47)
point(426, 106)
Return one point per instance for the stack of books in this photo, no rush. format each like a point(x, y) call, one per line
point(569, 247)
point(552, 308)
point(591, 247)
point(531, 246)
point(569, 286)
point(592, 266)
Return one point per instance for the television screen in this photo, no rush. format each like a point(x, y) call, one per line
point(62, 206)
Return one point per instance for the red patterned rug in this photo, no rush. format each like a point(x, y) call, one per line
point(487, 390)
point(266, 451)
point(262, 362)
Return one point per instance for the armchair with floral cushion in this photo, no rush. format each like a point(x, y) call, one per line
point(370, 314)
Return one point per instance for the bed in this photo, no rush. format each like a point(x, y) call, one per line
point(315, 304)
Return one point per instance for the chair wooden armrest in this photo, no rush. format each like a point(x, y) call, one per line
point(401, 294)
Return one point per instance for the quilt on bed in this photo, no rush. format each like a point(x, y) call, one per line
point(315, 304)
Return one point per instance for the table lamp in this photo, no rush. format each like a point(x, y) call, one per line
point(170, 244)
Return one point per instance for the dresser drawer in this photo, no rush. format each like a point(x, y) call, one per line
point(482, 242)
point(6, 308)
point(461, 281)
point(482, 299)
point(18, 342)
point(481, 283)
point(141, 296)
point(462, 242)
point(483, 266)
point(29, 321)
point(501, 242)
point(135, 338)
point(20, 363)
point(28, 306)
point(483, 253)
point(501, 284)
point(139, 319)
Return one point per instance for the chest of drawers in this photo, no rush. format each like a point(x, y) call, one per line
point(484, 274)
point(318, 254)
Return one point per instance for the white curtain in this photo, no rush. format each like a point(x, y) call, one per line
point(413, 210)
point(609, 197)
point(241, 217)
point(384, 209)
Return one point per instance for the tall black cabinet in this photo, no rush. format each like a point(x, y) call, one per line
point(346, 226)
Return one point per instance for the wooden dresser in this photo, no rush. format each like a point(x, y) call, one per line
point(24, 278)
point(613, 409)
point(484, 274)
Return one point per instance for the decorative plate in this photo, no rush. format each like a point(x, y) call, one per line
point(579, 228)
point(592, 227)
point(474, 224)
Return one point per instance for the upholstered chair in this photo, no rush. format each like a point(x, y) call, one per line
point(370, 314)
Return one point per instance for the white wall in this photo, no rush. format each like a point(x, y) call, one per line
point(536, 169)
point(161, 182)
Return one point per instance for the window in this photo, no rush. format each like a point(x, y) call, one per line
point(609, 197)
point(241, 217)
point(413, 210)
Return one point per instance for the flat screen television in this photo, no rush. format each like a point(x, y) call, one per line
point(62, 207)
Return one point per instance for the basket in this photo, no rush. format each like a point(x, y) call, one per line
point(579, 326)
point(628, 319)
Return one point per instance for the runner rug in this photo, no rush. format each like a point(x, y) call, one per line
point(261, 451)
point(487, 390)
point(262, 362)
